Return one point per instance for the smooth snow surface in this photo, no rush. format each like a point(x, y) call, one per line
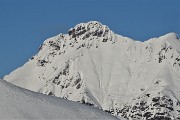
point(17, 103)
point(93, 65)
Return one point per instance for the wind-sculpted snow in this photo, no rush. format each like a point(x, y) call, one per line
point(17, 103)
point(93, 65)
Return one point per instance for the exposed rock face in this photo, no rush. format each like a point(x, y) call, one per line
point(94, 66)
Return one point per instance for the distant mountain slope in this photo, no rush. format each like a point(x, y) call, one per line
point(17, 103)
point(93, 65)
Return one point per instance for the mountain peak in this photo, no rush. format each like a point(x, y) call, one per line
point(94, 66)
point(93, 28)
point(170, 35)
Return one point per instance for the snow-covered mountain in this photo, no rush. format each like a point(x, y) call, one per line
point(93, 65)
point(17, 103)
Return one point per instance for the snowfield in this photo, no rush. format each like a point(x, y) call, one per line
point(18, 103)
point(94, 66)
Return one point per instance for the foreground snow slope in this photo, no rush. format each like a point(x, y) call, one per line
point(94, 66)
point(17, 103)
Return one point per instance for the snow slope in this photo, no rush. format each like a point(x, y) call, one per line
point(93, 65)
point(17, 103)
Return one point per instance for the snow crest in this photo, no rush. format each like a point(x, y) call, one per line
point(17, 103)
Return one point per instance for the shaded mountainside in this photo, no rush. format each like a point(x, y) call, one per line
point(93, 65)
point(17, 103)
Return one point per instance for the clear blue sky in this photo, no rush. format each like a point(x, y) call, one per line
point(25, 24)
